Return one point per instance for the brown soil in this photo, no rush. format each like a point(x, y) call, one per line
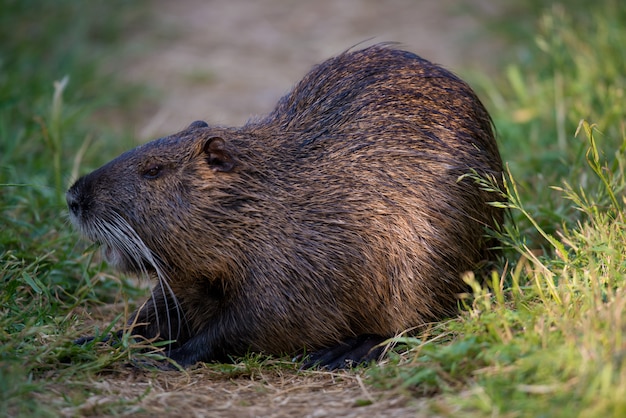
point(225, 61)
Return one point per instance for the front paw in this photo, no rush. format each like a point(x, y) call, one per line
point(183, 357)
point(156, 363)
point(111, 339)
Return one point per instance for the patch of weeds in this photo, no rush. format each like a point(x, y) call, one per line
point(570, 68)
point(252, 366)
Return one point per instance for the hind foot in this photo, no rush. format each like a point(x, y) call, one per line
point(349, 353)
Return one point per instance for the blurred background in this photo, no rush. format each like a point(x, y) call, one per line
point(223, 61)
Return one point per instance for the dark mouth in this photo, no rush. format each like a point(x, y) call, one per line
point(113, 256)
point(124, 262)
point(110, 255)
point(119, 244)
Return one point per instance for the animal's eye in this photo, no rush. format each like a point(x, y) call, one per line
point(153, 172)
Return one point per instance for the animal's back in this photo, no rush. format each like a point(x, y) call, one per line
point(369, 150)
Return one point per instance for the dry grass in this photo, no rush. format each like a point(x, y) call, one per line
point(277, 390)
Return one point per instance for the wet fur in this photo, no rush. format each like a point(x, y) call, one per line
point(342, 213)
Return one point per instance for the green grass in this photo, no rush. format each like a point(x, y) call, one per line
point(545, 336)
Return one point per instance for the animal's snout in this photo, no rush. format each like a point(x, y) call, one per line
point(77, 197)
point(72, 201)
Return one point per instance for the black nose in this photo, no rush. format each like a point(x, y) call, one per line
point(77, 197)
point(72, 201)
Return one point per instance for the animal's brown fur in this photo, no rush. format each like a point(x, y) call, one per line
point(342, 213)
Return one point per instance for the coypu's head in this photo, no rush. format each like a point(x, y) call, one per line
point(136, 206)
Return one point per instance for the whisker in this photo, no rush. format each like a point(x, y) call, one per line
point(123, 238)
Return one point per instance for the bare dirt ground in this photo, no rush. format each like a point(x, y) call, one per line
point(225, 61)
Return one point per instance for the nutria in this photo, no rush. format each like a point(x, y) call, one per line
point(340, 219)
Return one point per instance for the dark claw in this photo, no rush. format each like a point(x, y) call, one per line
point(86, 340)
point(347, 354)
point(154, 364)
point(110, 338)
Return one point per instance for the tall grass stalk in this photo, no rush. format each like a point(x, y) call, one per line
point(55, 139)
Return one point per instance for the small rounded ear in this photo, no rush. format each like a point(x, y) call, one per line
point(217, 155)
point(198, 124)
